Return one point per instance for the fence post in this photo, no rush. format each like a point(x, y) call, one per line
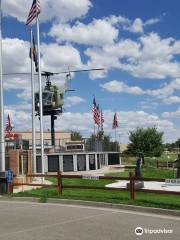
point(59, 182)
point(132, 187)
point(12, 188)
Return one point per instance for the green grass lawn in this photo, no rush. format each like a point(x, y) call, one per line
point(150, 161)
point(149, 173)
point(143, 199)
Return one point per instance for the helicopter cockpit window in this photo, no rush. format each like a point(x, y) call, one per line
point(47, 98)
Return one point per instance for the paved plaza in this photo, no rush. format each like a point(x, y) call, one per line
point(49, 221)
point(150, 185)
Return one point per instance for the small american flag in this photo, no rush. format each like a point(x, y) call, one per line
point(102, 117)
point(34, 11)
point(102, 120)
point(8, 124)
point(115, 122)
point(96, 112)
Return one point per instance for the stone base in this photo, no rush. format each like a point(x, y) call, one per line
point(137, 185)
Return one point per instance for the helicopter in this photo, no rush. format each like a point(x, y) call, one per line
point(52, 95)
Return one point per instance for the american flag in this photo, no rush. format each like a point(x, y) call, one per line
point(96, 112)
point(34, 54)
point(34, 11)
point(8, 124)
point(102, 119)
point(115, 122)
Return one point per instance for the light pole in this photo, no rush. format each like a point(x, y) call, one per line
point(2, 145)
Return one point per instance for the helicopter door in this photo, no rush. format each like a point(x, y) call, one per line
point(47, 99)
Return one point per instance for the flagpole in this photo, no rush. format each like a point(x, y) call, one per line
point(40, 96)
point(33, 106)
point(116, 139)
point(2, 144)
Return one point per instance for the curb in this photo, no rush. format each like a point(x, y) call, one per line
point(134, 208)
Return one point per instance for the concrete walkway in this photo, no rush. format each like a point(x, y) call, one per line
point(35, 181)
point(147, 185)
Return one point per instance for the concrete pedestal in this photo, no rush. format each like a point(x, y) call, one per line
point(137, 185)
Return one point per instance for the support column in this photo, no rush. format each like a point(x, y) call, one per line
point(46, 163)
point(106, 159)
point(75, 162)
point(87, 162)
point(61, 163)
point(96, 164)
point(53, 117)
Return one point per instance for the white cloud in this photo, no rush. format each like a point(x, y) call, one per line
point(171, 100)
point(137, 26)
point(99, 32)
point(23, 106)
point(118, 86)
point(58, 58)
point(151, 21)
point(156, 59)
point(165, 93)
point(15, 55)
point(54, 58)
point(123, 49)
point(94, 33)
point(18, 117)
point(73, 100)
point(171, 114)
point(61, 10)
point(149, 57)
point(25, 94)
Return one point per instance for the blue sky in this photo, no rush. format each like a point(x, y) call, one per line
point(137, 42)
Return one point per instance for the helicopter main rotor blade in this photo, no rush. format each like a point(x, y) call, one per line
point(9, 74)
point(83, 70)
point(44, 73)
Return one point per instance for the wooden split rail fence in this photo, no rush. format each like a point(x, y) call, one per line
point(60, 186)
point(165, 164)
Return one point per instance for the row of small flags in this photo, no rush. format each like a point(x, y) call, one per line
point(99, 117)
point(97, 114)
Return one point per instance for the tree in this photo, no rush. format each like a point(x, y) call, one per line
point(76, 136)
point(177, 143)
point(148, 141)
point(173, 146)
point(104, 141)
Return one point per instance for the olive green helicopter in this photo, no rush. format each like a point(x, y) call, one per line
point(52, 95)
